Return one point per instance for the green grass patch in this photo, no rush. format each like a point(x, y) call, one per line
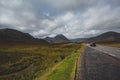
point(65, 71)
point(78, 66)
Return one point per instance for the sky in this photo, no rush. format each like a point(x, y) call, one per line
point(72, 18)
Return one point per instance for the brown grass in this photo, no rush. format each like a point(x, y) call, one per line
point(113, 44)
point(16, 58)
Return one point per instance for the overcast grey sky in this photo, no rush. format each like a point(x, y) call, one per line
point(73, 18)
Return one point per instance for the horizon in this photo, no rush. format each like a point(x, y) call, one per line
point(59, 34)
point(74, 19)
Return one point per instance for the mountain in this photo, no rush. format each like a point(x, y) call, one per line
point(105, 37)
point(57, 39)
point(49, 39)
point(14, 36)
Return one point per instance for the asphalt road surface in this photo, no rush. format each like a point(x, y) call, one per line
point(100, 63)
point(113, 51)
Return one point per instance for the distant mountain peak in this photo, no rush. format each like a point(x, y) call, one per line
point(60, 38)
point(60, 35)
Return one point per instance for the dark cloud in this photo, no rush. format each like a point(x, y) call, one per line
point(73, 18)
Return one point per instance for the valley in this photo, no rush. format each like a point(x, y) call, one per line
point(23, 57)
point(28, 61)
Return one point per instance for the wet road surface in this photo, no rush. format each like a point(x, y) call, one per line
point(112, 51)
point(96, 64)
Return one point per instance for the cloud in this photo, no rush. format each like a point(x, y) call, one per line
point(74, 19)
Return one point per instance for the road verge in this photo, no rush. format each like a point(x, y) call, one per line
point(77, 63)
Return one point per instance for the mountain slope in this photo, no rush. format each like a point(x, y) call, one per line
point(106, 37)
point(14, 36)
point(57, 39)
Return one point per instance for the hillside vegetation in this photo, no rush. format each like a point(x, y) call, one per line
point(66, 69)
point(112, 44)
point(26, 62)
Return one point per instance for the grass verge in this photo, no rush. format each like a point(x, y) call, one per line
point(78, 62)
point(66, 69)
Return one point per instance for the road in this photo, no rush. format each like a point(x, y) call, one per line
point(100, 63)
point(113, 51)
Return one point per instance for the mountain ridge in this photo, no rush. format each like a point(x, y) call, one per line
point(109, 36)
point(14, 36)
point(60, 38)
